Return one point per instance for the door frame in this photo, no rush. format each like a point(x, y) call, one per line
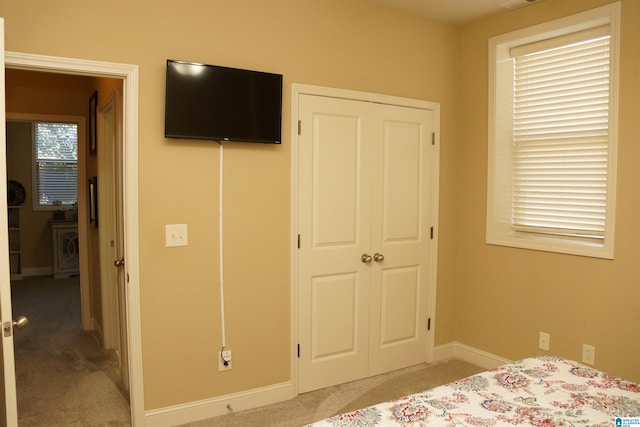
point(130, 76)
point(301, 89)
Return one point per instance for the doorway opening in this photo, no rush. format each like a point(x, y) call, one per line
point(128, 74)
point(48, 153)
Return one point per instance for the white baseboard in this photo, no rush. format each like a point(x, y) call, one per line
point(97, 330)
point(468, 354)
point(37, 271)
point(194, 411)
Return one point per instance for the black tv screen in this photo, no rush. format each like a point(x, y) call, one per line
point(221, 103)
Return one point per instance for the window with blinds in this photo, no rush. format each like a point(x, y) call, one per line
point(553, 135)
point(55, 165)
point(561, 139)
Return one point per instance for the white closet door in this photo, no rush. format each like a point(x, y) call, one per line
point(401, 234)
point(364, 189)
point(334, 200)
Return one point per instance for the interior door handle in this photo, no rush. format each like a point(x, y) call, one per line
point(119, 262)
point(19, 323)
point(366, 258)
point(378, 257)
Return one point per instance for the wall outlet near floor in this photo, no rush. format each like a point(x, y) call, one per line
point(222, 357)
point(544, 340)
point(588, 354)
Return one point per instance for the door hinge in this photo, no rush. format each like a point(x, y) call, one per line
point(429, 324)
point(298, 351)
point(298, 241)
point(433, 138)
point(431, 232)
point(299, 127)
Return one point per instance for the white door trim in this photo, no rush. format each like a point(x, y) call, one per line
point(129, 75)
point(301, 89)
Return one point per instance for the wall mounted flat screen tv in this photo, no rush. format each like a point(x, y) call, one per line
point(221, 103)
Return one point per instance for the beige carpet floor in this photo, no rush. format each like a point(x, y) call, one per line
point(63, 376)
point(317, 405)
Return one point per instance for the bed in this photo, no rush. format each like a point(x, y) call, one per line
point(540, 391)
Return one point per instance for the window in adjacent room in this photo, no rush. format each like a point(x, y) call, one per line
point(553, 135)
point(55, 165)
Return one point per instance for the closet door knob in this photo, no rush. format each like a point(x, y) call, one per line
point(366, 258)
point(378, 257)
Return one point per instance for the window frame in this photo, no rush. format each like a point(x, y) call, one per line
point(36, 206)
point(499, 230)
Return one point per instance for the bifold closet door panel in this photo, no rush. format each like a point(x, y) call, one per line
point(401, 222)
point(335, 223)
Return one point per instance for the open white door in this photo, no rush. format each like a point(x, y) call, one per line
point(120, 238)
point(9, 415)
point(111, 215)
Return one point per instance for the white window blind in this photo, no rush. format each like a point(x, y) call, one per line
point(55, 164)
point(561, 139)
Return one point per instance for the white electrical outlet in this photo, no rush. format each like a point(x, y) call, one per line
point(176, 235)
point(222, 357)
point(588, 354)
point(544, 341)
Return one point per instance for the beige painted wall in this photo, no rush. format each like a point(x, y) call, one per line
point(505, 296)
point(349, 44)
point(35, 232)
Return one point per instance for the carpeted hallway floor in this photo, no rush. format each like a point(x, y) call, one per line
point(63, 376)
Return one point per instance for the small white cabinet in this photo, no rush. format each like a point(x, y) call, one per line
point(66, 252)
point(15, 242)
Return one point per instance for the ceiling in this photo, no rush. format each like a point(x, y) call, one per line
point(453, 11)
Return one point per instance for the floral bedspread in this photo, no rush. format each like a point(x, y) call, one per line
point(541, 391)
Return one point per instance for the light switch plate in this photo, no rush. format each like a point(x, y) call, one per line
point(176, 235)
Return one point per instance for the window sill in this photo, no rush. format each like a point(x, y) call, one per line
point(551, 244)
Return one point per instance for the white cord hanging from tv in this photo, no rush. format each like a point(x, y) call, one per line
point(220, 223)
